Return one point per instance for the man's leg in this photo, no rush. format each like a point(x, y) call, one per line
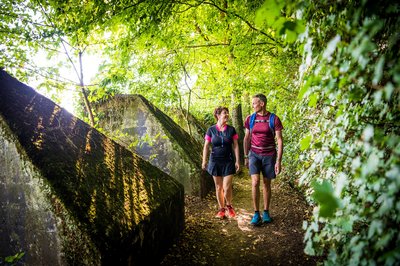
point(254, 166)
point(255, 191)
point(266, 218)
point(267, 193)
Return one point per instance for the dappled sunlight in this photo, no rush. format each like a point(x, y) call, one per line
point(38, 137)
point(31, 106)
point(92, 208)
point(88, 139)
point(55, 115)
point(128, 206)
point(121, 201)
point(278, 233)
point(109, 158)
point(140, 198)
point(243, 218)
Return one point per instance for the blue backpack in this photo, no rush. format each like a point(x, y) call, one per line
point(271, 122)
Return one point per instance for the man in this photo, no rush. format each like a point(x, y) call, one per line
point(261, 155)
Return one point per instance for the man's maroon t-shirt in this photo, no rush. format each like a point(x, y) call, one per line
point(262, 140)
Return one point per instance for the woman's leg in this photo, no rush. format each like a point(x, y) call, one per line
point(227, 180)
point(219, 191)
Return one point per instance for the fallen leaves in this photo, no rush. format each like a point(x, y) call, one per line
point(209, 241)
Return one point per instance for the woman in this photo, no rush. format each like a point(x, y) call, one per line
point(222, 164)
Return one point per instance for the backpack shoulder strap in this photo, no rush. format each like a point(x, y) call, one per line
point(272, 123)
point(252, 120)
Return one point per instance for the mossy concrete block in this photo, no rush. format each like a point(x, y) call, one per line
point(189, 123)
point(134, 122)
point(74, 196)
point(33, 220)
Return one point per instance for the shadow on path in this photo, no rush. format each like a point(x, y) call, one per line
point(209, 241)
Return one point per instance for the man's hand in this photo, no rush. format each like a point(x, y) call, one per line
point(277, 167)
point(246, 162)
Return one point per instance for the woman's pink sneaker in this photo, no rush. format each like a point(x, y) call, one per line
point(231, 211)
point(220, 214)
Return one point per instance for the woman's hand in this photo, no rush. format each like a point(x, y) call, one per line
point(246, 162)
point(237, 165)
point(204, 166)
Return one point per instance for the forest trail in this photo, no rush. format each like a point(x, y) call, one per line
point(209, 241)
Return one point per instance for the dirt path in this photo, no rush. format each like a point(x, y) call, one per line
point(208, 241)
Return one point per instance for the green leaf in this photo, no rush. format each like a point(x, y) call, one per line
point(305, 142)
point(368, 133)
point(14, 258)
point(389, 88)
point(378, 70)
point(323, 194)
point(375, 228)
point(371, 165)
point(313, 100)
point(318, 145)
point(303, 89)
point(346, 224)
point(300, 26)
point(330, 49)
point(291, 36)
point(268, 12)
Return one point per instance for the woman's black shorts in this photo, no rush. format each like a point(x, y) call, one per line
point(221, 168)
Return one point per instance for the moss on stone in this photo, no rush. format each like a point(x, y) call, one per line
point(110, 191)
point(55, 236)
point(177, 153)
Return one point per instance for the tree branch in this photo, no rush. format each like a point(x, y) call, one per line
point(244, 20)
point(220, 44)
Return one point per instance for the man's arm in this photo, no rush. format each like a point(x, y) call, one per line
point(279, 140)
point(246, 146)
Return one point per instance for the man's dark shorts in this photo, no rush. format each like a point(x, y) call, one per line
point(221, 168)
point(263, 164)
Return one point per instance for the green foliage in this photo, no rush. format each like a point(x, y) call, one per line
point(330, 70)
point(198, 57)
point(323, 194)
point(271, 15)
point(15, 258)
point(305, 143)
point(350, 101)
point(191, 54)
point(21, 36)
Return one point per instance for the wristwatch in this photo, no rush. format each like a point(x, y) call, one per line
point(246, 156)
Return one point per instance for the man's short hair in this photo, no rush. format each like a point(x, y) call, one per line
point(261, 97)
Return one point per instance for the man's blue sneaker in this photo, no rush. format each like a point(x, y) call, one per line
point(256, 219)
point(266, 218)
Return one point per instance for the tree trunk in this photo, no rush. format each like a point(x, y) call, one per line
point(85, 97)
point(237, 122)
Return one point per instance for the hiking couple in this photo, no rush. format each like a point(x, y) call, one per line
point(260, 153)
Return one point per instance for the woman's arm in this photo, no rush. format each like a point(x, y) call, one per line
point(205, 154)
point(236, 150)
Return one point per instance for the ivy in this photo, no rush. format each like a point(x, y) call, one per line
point(351, 91)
